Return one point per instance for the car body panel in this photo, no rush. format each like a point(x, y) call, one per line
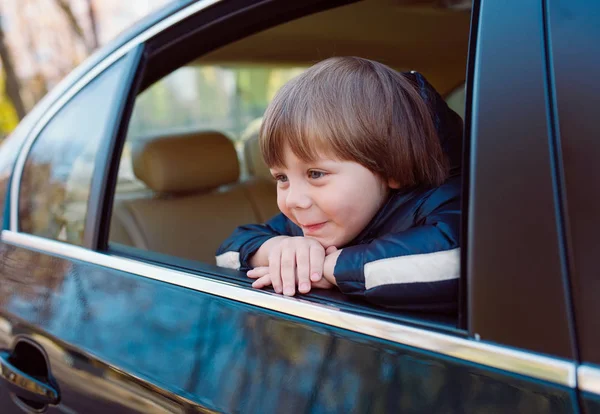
point(573, 34)
point(227, 356)
point(591, 403)
point(511, 189)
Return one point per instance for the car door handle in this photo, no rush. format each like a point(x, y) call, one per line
point(26, 386)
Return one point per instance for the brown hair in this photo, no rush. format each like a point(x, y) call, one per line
point(357, 110)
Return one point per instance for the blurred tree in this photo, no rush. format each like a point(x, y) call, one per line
point(65, 7)
point(34, 88)
point(93, 24)
point(11, 81)
point(8, 116)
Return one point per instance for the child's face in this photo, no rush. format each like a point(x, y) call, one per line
point(331, 200)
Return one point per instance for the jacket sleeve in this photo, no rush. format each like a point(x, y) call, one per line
point(416, 269)
point(236, 250)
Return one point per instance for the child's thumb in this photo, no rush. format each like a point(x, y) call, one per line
point(330, 249)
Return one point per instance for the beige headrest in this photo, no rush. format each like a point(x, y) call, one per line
point(187, 163)
point(254, 160)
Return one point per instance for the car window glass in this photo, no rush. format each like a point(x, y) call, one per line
point(456, 100)
point(9, 148)
point(56, 179)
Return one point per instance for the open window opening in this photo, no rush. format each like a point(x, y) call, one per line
point(190, 171)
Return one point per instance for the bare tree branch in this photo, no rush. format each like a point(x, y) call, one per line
point(12, 85)
point(65, 7)
point(39, 88)
point(93, 24)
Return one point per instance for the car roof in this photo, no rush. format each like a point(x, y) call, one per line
point(416, 35)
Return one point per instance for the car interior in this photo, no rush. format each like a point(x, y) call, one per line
point(182, 192)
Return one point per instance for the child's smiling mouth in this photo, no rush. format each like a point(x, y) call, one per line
point(312, 228)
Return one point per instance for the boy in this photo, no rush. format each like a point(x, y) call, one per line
point(367, 167)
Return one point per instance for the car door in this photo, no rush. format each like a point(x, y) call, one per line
point(108, 332)
point(39, 368)
point(573, 36)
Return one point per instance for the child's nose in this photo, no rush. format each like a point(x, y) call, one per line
point(298, 197)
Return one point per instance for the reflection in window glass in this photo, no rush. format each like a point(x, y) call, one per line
point(56, 179)
point(456, 101)
point(9, 147)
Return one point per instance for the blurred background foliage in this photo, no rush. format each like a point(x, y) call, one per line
point(41, 41)
point(8, 115)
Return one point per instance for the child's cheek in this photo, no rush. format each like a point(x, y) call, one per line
point(352, 219)
point(284, 210)
point(281, 203)
point(342, 214)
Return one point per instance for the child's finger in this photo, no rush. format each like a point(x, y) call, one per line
point(262, 282)
point(317, 259)
point(303, 268)
point(257, 272)
point(330, 249)
point(275, 269)
point(288, 271)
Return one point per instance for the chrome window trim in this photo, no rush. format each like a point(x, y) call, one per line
point(588, 379)
point(72, 90)
point(542, 367)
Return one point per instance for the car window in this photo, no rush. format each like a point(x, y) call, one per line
point(456, 100)
point(56, 178)
point(191, 171)
point(9, 147)
point(214, 105)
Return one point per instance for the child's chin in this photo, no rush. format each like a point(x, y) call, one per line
point(325, 243)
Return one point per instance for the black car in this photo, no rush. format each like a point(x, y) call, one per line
point(110, 299)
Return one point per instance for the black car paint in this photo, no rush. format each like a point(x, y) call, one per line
point(515, 266)
point(573, 38)
point(591, 403)
point(575, 67)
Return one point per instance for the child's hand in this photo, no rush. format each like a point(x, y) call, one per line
point(295, 260)
point(329, 265)
point(263, 279)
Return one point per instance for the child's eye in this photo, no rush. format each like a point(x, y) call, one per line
point(315, 175)
point(281, 178)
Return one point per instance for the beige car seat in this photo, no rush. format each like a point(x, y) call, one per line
point(198, 200)
point(261, 184)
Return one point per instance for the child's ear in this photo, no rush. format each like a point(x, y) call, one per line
point(393, 184)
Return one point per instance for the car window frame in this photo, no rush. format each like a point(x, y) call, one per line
point(102, 192)
point(129, 59)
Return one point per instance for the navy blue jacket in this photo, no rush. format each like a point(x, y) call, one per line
point(408, 256)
